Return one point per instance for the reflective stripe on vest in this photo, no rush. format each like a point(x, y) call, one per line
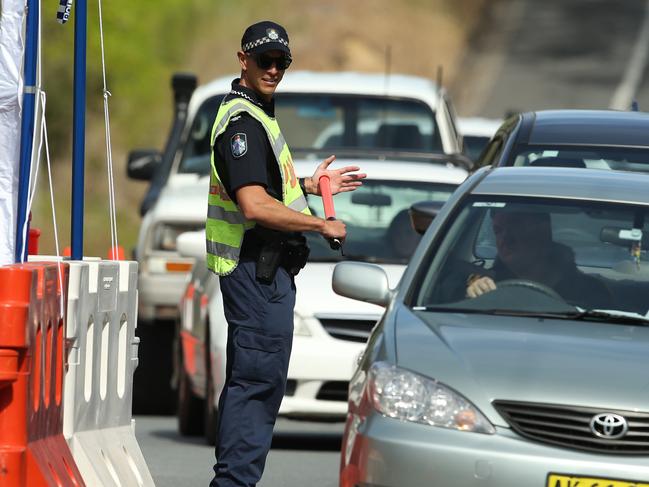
point(226, 224)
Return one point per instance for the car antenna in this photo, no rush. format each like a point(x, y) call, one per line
point(440, 72)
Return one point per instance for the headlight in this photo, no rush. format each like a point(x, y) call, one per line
point(404, 395)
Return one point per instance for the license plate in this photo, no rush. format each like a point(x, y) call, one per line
point(556, 480)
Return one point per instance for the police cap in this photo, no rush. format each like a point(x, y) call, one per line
point(265, 36)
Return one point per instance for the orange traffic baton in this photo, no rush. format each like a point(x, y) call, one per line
point(328, 203)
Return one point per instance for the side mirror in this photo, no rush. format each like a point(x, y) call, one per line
point(191, 244)
point(361, 281)
point(423, 213)
point(143, 163)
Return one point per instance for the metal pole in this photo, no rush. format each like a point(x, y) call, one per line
point(27, 126)
point(79, 127)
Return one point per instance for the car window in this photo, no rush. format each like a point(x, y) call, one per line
point(196, 148)
point(325, 121)
point(328, 122)
point(377, 219)
point(567, 253)
point(615, 158)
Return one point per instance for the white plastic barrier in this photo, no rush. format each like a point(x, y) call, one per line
point(98, 387)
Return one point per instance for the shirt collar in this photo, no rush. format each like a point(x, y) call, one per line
point(250, 95)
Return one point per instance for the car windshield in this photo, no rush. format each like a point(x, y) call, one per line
point(541, 255)
point(377, 219)
point(592, 157)
point(313, 123)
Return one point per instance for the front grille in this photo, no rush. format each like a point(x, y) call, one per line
point(569, 426)
point(335, 390)
point(348, 329)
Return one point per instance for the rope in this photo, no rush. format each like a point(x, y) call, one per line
point(49, 175)
point(109, 148)
point(43, 139)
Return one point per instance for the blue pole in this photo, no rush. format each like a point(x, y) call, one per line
point(79, 127)
point(27, 125)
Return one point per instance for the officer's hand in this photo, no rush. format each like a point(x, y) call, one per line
point(339, 179)
point(334, 229)
point(480, 286)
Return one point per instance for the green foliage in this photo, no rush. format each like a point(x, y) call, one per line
point(143, 41)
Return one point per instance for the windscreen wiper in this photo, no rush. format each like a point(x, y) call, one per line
point(558, 315)
point(603, 315)
point(610, 315)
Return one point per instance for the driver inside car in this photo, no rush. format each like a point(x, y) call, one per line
point(528, 255)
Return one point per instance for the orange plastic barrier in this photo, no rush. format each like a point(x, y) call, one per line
point(33, 451)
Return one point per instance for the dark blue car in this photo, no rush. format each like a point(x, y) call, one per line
point(594, 139)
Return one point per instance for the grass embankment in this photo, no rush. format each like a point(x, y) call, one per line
point(146, 42)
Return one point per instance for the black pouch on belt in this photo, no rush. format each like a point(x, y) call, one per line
point(269, 260)
point(296, 253)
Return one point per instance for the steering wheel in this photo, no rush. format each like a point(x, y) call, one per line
point(533, 285)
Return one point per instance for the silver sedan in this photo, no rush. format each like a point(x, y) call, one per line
point(515, 350)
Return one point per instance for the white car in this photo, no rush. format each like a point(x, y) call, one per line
point(348, 114)
point(330, 330)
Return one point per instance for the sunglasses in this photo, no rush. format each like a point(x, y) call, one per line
point(264, 61)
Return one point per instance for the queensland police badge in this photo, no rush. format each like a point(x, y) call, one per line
point(238, 145)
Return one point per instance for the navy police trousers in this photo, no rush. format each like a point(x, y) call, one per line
point(260, 335)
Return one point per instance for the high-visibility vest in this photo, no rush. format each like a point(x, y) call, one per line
point(226, 223)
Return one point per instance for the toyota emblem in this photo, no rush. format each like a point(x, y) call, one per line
point(608, 425)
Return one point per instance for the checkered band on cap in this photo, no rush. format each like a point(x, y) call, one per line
point(264, 40)
point(63, 12)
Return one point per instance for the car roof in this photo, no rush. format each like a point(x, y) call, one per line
point(561, 182)
point(589, 127)
point(392, 85)
point(393, 170)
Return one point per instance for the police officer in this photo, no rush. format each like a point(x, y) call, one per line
point(256, 211)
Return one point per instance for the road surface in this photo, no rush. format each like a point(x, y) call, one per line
point(301, 450)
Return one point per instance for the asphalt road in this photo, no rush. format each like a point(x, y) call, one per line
point(533, 55)
point(303, 453)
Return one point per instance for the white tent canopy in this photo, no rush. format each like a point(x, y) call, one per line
point(12, 15)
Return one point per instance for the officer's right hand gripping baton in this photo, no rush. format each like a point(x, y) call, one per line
point(328, 203)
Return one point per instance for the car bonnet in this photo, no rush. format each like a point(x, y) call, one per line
point(486, 358)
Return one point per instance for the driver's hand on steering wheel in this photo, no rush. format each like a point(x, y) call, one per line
point(479, 285)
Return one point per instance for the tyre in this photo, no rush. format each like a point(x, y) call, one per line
point(190, 407)
point(152, 392)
